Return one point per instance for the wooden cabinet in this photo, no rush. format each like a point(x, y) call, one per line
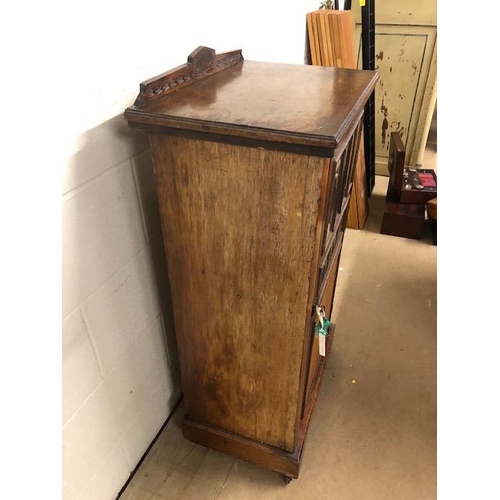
point(254, 166)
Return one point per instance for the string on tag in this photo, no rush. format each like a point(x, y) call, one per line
point(324, 324)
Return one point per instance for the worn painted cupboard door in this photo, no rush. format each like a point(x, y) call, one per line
point(405, 55)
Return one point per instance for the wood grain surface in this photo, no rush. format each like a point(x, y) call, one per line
point(239, 225)
point(297, 104)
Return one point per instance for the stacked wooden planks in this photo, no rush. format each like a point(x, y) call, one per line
point(331, 38)
point(331, 43)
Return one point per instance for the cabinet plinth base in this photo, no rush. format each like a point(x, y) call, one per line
point(224, 441)
point(269, 457)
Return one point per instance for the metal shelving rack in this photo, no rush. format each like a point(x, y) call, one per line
point(368, 53)
point(368, 61)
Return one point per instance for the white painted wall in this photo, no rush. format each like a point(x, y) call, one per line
point(119, 363)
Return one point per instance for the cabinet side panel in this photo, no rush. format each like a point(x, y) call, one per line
point(239, 228)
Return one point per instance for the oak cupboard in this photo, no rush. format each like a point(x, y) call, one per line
point(254, 165)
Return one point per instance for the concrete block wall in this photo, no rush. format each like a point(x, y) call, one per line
point(120, 375)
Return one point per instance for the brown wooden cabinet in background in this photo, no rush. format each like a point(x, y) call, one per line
point(254, 166)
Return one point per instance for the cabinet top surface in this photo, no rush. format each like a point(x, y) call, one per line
point(303, 104)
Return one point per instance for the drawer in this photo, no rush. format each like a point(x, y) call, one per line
point(339, 190)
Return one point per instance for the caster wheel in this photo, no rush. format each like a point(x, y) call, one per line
point(286, 479)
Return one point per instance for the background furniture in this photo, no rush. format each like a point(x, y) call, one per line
point(254, 165)
point(405, 40)
point(432, 215)
point(408, 192)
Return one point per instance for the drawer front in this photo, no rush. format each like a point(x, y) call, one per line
point(337, 199)
point(326, 300)
point(337, 202)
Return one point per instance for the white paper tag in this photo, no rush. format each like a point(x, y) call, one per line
point(320, 312)
point(322, 345)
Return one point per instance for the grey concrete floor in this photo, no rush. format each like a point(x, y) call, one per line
point(373, 432)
